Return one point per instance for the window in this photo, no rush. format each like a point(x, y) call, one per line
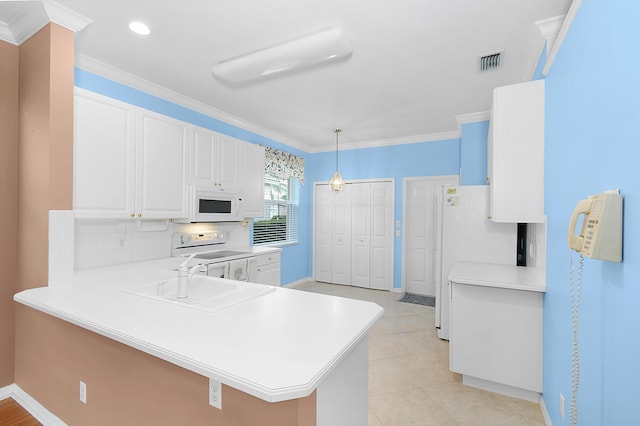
point(280, 222)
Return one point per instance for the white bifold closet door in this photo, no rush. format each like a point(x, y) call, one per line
point(354, 234)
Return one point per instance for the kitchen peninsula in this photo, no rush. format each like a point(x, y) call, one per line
point(283, 358)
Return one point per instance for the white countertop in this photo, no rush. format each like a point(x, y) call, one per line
point(500, 276)
point(276, 347)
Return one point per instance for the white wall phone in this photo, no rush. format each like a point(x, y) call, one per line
point(600, 238)
point(601, 231)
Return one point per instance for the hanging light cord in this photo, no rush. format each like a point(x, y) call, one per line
point(337, 132)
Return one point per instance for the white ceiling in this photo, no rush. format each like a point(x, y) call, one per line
point(414, 65)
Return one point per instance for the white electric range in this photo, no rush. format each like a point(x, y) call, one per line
point(211, 251)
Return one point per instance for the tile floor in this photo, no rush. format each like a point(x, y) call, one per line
point(409, 378)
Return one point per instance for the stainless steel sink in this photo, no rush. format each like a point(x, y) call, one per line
point(205, 293)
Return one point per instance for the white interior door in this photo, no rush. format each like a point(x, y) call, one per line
point(421, 232)
point(382, 196)
point(323, 233)
point(354, 234)
point(361, 238)
point(341, 243)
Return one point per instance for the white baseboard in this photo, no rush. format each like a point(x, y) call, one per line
point(545, 413)
point(500, 388)
point(294, 283)
point(33, 407)
point(6, 392)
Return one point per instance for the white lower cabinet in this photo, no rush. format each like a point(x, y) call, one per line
point(265, 269)
point(496, 339)
point(128, 162)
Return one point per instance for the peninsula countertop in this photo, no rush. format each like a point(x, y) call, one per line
point(277, 346)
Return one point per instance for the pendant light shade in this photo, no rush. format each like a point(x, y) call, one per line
point(336, 182)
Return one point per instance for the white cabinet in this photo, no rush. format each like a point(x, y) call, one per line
point(268, 269)
point(353, 242)
point(103, 157)
point(214, 160)
point(161, 166)
point(265, 269)
point(496, 328)
point(252, 180)
point(516, 153)
point(128, 162)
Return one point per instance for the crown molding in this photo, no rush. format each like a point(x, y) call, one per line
point(120, 76)
point(549, 28)
point(562, 33)
point(377, 143)
point(472, 117)
point(30, 19)
point(65, 17)
point(543, 33)
point(35, 15)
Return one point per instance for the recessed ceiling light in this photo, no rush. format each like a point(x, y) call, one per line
point(139, 28)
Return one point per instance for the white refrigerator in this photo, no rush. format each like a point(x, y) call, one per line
point(465, 234)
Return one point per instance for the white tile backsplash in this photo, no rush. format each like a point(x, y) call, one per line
point(110, 242)
point(61, 246)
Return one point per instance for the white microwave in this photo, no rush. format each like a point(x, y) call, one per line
point(206, 205)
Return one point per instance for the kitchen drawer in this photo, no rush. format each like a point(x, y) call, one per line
point(265, 259)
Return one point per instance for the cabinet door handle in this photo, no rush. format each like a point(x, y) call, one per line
point(132, 215)
point(139, 214)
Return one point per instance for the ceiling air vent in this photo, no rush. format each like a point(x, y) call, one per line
point(491, 62)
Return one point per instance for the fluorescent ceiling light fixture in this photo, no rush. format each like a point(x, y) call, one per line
point(327, 45)
point(139, 28)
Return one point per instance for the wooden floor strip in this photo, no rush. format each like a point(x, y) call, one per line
point(12, 414)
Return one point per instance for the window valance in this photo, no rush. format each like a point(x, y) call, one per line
point(283, 164)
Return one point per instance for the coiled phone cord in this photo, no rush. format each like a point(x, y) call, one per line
point(575, 289)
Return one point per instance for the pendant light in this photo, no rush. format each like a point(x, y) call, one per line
point(336, 182)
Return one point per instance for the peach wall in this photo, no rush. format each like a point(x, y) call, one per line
point(9, 202)
point(46, 145)
point(126, 386)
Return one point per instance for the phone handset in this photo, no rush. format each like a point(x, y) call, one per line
point(582, 208)
point(601, 231)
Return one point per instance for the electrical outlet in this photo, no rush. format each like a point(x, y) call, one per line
point(83, 392)
point(215, 393)
point(561, 405)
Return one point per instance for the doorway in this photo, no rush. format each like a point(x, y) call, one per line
point(422, 218)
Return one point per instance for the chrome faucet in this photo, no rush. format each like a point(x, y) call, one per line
point(185, 274)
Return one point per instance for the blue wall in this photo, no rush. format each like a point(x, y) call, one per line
point(419, 159)
point(473, 158)
point(592, 145)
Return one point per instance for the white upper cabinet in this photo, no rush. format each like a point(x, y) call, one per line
point(128, 162)
point(252, 180)
point(215, 160)
point(516, 153)
point(161, 172)
point(103, 157)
